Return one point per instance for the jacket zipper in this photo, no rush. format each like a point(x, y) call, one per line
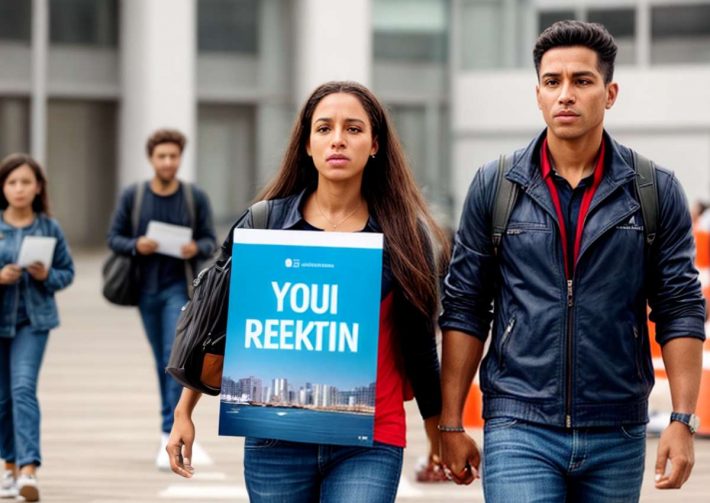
point(568, 397)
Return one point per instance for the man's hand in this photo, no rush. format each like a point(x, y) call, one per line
point(146, 246)
point(10, 274)
point(38, 271)
point(460, 457)
point(676, 446)
point(189, 250)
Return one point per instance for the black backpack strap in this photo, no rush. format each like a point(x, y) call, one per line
point(647, 193)
point(137, 203)
point(506, 194)
point(259, 214)
point(189, 202)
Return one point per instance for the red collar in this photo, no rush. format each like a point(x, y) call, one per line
point(589, 192)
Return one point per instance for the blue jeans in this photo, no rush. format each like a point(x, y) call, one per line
point(277, 471)
point(20, 360)
point(528, 463)
point(160, 312)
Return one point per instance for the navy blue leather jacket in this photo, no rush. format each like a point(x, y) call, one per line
point(572, 353)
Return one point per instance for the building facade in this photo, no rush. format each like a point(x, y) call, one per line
point(85, 81)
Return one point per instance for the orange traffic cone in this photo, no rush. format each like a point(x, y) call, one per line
point(702, 409)
point(473, 409)
point(659, 368)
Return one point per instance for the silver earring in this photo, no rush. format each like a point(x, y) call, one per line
point(373, 156)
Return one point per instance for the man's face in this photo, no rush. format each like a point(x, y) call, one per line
point(166, 161)
point(571, 93)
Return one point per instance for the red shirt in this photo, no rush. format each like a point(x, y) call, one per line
point(390, 389)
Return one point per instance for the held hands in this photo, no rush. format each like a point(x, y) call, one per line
point(460, 457)
point(179, 446)
point(10, 274)
point(38, 271)
point(146, 246)
point(676, 446)
point(189, 250)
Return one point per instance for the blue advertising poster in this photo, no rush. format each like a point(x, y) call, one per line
point(300, 360)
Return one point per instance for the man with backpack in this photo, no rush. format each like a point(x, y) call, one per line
point(590, 233)
point(164, 280)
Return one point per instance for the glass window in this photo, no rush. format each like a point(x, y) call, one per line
point(15, 20)
point(680, 34)
point(406, 30)
point(226, 136)
point(84, 22)
point(549, 17)
point(228, 26)
point(14, 125)
point(494, 33)
point(621, 23)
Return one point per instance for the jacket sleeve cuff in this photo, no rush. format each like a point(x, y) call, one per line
point(477, 330)
point(682, 327)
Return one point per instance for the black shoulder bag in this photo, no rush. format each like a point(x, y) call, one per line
point(197, 356)
point(119, 273)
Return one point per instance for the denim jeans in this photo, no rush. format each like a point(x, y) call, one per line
point(277, 471)
point(160, 312)
point(528, 463)
point(20, 360)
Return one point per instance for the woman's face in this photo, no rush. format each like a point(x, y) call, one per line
point(341, 138)
point(21, 187)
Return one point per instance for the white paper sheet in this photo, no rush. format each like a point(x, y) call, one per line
point(37, 249)
point(170, 238)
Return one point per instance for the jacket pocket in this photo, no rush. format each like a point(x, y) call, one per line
point(504, 340)
point(638, 347)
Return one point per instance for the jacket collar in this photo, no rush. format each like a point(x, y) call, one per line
point(525, 170)
point(291, 214)
point(7, 227)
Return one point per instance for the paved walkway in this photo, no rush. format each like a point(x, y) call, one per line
point(100, 423)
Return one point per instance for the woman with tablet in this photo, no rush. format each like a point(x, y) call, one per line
point(29, 312)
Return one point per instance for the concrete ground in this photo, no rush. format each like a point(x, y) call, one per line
point(100, 427)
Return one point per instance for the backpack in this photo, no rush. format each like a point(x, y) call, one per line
point(506, 193)
point(197, 355)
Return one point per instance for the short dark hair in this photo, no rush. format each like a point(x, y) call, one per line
point(569, 33)
point(40, 204)
point(165, 136)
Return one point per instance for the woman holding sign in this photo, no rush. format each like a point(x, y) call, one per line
point(344, 170)
point(29, 312)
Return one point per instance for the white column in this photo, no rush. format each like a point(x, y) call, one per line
point(158, 52)
point(38, 102)
point(273, 117)
point(333, 42)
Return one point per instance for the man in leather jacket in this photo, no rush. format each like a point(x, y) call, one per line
point(568, 371)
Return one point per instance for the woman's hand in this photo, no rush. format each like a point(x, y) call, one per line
point(179, 445)
point(10, 274)
point(38, 271)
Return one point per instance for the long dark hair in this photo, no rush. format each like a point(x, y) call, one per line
point(417, 245)
point(40, 204)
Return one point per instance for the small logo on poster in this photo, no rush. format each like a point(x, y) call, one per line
point(292, 263)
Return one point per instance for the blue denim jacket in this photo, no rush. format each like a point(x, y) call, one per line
point(39, 299)
point(572, 353)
